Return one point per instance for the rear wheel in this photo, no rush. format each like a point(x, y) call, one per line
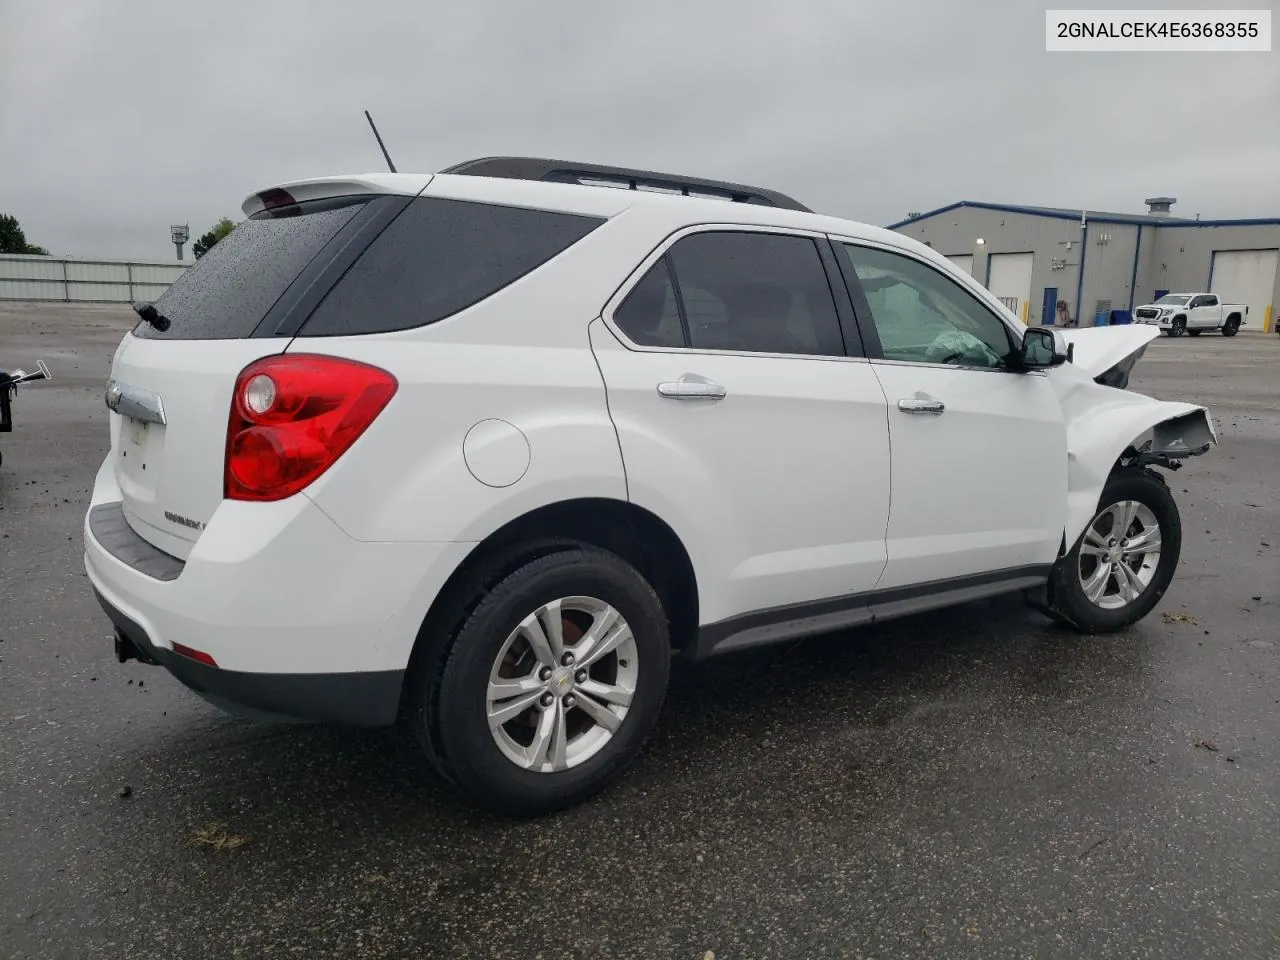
point(552, 683)
point(1231, 326)
point(1125, 559)
point(1179, 327)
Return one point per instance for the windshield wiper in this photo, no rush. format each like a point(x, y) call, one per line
point(148, 312)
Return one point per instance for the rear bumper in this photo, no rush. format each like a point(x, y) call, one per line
point(300, 619)
point(362, 699)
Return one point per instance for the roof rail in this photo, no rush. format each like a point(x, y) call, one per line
point(593, 174)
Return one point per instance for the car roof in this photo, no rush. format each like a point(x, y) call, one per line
point(674, 210)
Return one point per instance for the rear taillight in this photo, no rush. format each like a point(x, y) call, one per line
point(293, 416)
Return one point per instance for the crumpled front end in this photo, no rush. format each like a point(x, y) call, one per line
point(1110, 426)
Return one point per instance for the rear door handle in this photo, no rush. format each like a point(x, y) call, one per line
point(691, 387)
point(921, 403)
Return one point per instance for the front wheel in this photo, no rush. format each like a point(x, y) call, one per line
point(552, 684)
point(1179, 327)
point(1125, 559)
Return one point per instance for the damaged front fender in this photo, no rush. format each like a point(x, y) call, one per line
point(1109, 427)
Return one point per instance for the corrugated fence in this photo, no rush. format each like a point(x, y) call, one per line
point(76, 280)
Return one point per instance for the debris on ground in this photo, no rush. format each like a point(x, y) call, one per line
point(1206, 745)
point(1177, 618)
point(125, 792)
point(215, 835)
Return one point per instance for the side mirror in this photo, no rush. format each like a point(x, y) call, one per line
point(1043, 347)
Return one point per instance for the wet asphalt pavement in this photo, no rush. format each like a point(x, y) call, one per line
point(975, 783)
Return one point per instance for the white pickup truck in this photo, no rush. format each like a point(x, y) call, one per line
point(1192, 313)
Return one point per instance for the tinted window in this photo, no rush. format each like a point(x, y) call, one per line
point(924, 316)
point(756, 292)
point(649, 316)
point(230, 289)
point(439, 257)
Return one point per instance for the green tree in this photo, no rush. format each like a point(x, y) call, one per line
point(206, 242)
point(13, 240)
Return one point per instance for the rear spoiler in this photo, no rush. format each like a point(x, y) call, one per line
point(323, 188)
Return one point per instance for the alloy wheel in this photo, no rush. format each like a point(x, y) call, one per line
point(562, 684)
point(1119, 555)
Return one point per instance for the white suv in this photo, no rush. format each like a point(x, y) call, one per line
point(480, 450)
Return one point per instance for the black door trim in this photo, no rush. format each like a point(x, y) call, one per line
point(824, 616)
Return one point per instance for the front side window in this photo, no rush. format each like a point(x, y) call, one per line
point(738, 291)
point(923, 316)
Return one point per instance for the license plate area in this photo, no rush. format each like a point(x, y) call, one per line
point(139, 440)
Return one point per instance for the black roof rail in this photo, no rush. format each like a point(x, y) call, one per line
point(592, 174)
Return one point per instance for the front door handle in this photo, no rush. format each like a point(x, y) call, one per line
point(921, 403)
point(691, 387)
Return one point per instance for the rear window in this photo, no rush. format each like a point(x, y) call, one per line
point(229, 290)
point(439, 257)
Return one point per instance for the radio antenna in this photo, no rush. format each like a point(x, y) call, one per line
point(381, 145)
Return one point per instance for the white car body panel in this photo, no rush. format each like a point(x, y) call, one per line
point(1098, 349)
point(176, 469)
point(979, 487)
point(278, 588)
point(408, 481)
point(780, 490)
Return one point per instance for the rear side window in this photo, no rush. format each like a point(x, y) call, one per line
point(439, 257)
point(649, 315)
point(746, 292)
point(230, 289)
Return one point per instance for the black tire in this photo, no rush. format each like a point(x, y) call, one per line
point(1231, 327)
point(1194, 333)
point(1067, 600)
point(1179, 327)
point(449, 713)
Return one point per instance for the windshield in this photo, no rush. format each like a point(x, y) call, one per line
point(1174, 301)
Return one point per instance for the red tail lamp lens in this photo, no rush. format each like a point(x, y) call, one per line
point(293, 416)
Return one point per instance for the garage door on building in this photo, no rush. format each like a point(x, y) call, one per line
point(1009, 278)
point(1247, 276)
point(964, 261)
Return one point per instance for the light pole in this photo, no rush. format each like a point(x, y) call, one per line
point(179, 233)
point(979, 249)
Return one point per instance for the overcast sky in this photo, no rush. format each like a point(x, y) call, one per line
point(119, 117)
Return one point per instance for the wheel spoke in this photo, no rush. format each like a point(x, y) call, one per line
point(606, 692)
point(1093, 549)
point(1093, 538)
point(500, 714)
point(548, 723)
point(1125, 512)
point(531, 627)
point(608, 633)
point(504, 688)
point(552, 619)
point(1127, 583)
point(598, 711)
point(1148, 541)
point(1096, 585)
point(558, 754)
